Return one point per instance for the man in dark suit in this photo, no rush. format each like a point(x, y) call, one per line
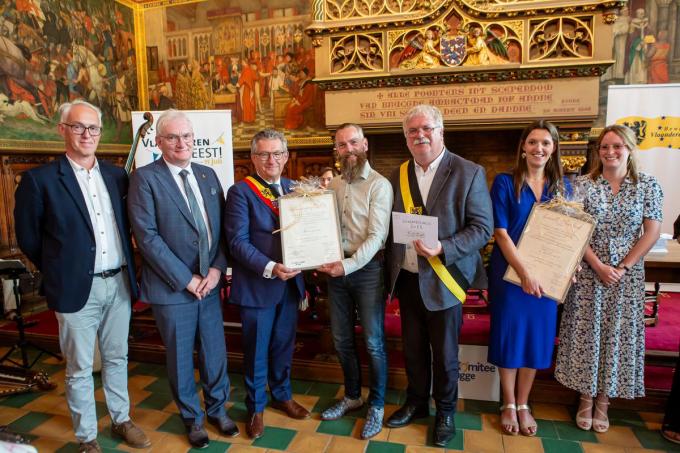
point(71, 222)
point(431, 281)
point(176, 214)
point(267, 291)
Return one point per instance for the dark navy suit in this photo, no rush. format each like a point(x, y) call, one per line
point(54, 230)
point(167, 238)
point(268, 306)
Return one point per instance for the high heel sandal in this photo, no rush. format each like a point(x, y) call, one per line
point(600, 425)
point(585, 423)
point(526, 429)
point(514, 426)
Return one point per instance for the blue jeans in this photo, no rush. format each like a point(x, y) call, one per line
point(105, 316)
point(362, 289)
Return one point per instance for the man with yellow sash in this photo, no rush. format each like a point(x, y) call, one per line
point(431, 282)
point(266, 291)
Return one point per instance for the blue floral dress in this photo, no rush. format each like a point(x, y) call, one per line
point(602, 334)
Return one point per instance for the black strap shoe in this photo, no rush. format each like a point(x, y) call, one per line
point(405, 415)
point(444, 430)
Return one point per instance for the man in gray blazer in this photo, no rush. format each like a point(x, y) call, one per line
point(176, 211)
point(431, 281)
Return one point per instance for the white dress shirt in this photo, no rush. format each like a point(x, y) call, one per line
point(109, 248)
point(364, 207)
point(424, 178)
point(175, 170)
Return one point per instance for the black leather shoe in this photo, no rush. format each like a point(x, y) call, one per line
point(198, 436)
point(225, 425)
point(444, 430)
point(405, 415)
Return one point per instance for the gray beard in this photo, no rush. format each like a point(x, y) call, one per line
point(351, 171)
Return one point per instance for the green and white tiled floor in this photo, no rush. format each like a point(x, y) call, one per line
point(43, 418)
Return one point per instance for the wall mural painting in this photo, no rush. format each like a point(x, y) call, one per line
point(52, 51)
point(238, 55)
point(646, 47)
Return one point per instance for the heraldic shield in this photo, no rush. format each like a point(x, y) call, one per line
point(453, 49)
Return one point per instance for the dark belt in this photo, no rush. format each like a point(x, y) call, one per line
point(109, 273)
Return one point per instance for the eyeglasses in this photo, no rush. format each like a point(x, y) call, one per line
point(615, 147)
point(345, 145)
point(79, 129)
point(264, 157)
point(173, 139)
point(427, 130)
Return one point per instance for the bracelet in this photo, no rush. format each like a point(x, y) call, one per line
point(621, 265)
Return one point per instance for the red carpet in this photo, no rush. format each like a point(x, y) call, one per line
point(662, 337)
point(666, 334)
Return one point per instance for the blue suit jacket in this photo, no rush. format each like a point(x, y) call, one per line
point(165, 232)
point(248, 230)
point(459, 198)
point(54, 230)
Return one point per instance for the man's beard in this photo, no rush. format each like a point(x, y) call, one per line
point(350, 170)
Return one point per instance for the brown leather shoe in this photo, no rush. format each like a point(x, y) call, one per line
point(292, 408)
point(131, 434)
point(255, 425)
point(89, 447)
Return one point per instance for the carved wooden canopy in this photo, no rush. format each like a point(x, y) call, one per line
point(388, 43)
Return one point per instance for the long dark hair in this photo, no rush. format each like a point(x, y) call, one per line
point(553, 168)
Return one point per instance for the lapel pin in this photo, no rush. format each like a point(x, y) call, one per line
point(213, 191)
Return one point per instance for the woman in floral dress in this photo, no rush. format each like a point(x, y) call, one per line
point(602, 335)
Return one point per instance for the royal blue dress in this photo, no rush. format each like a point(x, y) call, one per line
point(523, 327)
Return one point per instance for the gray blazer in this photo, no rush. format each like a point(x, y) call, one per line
point(459, 198)
point(165, 232)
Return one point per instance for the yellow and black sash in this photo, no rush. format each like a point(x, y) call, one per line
point(450, 276)
point(263, 191)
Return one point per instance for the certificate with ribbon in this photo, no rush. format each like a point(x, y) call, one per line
point(310, 229)
point(552, 245)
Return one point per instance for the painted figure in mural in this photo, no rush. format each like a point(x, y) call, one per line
point(429, 56)
point(658, 59)
point(301, 102)
point(246, 84)
point(159, 99)
point(183, 88)
point(198, 94)
point(122, 107)
point(620, 30)
point(477, 48)
point(276, 84)
point(636, 61)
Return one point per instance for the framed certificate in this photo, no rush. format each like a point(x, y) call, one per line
point(552, 246)
point(310, 231)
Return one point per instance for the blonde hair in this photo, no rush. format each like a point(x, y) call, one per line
point(629, 139)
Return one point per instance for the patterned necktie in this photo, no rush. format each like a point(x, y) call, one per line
point(203, 251)
point(277, 189)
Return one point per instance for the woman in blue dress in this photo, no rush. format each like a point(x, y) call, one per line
point(523, 324)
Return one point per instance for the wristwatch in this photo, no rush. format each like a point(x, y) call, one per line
point(623, 266)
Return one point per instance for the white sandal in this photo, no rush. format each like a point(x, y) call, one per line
point(601, 425)
point(585, 423)
point(514, 425)
point(526, 429)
